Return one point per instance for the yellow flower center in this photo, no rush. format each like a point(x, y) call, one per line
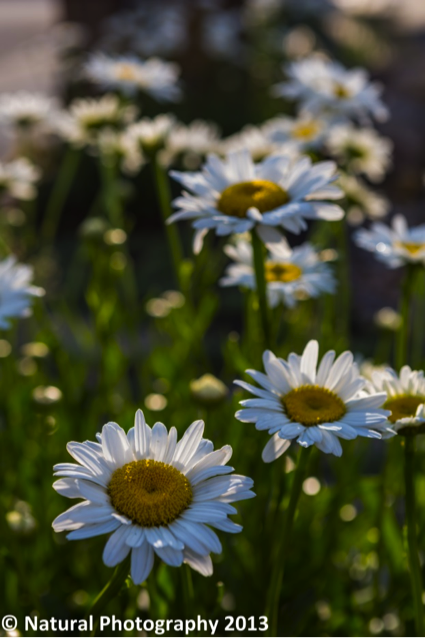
point(149, 493)
point(125, 72)
point(411, 247)
point(341, 91)
point(403, 406)
point(311, 405)
point(305, 130)
point(236, 199)
point(276, 271)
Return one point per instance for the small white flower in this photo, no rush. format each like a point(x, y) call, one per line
point(257, 142)
point(302, 133)
point(115, 146)
point(290, 273)
point(327, 87)
point(233, 195)
point(130, 74)
point(149, 135)
point(394, 245)
point(315, 406)
point(191, 143)
point(156, 495)
point(362, 150)
point(362, 202)
point(18, 179)
point(27, 110)
point(87, 117)
point(16, 291)
point(405, 398)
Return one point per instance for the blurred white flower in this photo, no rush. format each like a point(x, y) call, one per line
point(290, 273)
point(115, 146)
point(130, 74)
point(148, 136)
point(394, 245)
point(16, 291)
point(256, 140)
point(326, 87)
point(362, 201)
point(302, 133)
point(18, 179)
point(234, 195)
point(315, 406)
point(405, 398)
point(25, 110)
point(87, 117)
point(362, 150)
point(156, 495)
point(190, 143)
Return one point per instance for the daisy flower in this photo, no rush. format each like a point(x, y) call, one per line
point(315, 406)
point(291, 274)
point(25, 110)
point(130, 74)
point(394, 245)
point(362, 150)
point(405, 398)
point(18, 179)
point(323, 86)
point(190, 143)
point(302, 133)
point(149, 135)
point(256, 141)
point(233, 195)
point(362, 202)
point(87, 117)
point(156, 495)
point(16, 291)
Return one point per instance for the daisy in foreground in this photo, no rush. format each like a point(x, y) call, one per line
point(130, 74)
point(396, 245)
point(233, 195)
point(315, 406)
point(406, 398)
point(16, 291)
point(157, 495)
point(291, 274)
point(325, 86)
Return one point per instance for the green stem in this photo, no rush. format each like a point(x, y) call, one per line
point(60, 192)
point(402, 343)
point(284, 529)
point(418, 314)
point(111, 195)
point(412, 541)
point(260, 279)
point(344, 301)
point(164, 198)
point(188, 593)
point(110, 591)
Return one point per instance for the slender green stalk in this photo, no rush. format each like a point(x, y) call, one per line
point(402, 342)
point(260, 279)
point(418, 322)
point(412, 541)
point(111, 195)
point(60, 192)
point(110, 591)
point(164, 197)
point(284, 530)
point(188, 592)
point(344, 301)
